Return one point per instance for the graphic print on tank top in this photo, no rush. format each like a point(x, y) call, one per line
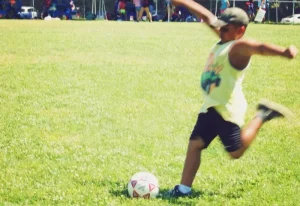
point(210, 78)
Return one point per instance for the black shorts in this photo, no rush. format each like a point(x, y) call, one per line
point(211, 124)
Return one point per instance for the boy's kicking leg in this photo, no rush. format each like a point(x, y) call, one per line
point(266, 111)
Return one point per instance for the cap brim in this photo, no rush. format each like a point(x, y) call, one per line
point(218, 23)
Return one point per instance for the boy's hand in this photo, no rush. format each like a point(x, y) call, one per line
point(291, 52)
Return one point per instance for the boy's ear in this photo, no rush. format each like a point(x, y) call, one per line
point(242, 30)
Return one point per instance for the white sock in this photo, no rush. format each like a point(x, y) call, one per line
point(184, 189)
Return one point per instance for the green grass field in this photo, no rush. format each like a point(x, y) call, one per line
point(85, 105)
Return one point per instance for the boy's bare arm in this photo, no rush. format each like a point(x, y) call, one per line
point(242, 50)
point(199, 11)
point(248, 48)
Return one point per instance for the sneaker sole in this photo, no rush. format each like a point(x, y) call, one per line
point(277, 107)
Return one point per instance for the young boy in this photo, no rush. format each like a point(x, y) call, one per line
point(223, 111)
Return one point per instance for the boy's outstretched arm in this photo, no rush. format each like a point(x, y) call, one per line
point(243, 49)
point(246, 47)
point(199, 11)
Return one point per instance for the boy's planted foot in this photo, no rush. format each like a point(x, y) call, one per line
point(174, 193)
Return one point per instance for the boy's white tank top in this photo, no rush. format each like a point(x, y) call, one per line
point(222, 85)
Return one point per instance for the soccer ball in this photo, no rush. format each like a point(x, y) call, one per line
point(143, 185)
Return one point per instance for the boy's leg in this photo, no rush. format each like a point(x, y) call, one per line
point(191, 166)
point(192, 161)
point(248, 134)
point(267, 111)
point(204, 132)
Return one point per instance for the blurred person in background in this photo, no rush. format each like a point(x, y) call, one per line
point(122, 9)
point(224, 5)
point(137, 4)
point(46, 7)
point(130, 10)
point(249, 9)
point(70, 8)
point(145, 8)
point(72, 5)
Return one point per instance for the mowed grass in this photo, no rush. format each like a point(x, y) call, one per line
point(85, 105)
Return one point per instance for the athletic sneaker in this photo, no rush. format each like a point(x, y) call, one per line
point(270, 110)
point(174, 193)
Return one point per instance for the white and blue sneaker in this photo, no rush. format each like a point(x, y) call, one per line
point(175, 193)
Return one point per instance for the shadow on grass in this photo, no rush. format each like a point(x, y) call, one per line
point(118, 189)
point(180, 201)
point(121, 190)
